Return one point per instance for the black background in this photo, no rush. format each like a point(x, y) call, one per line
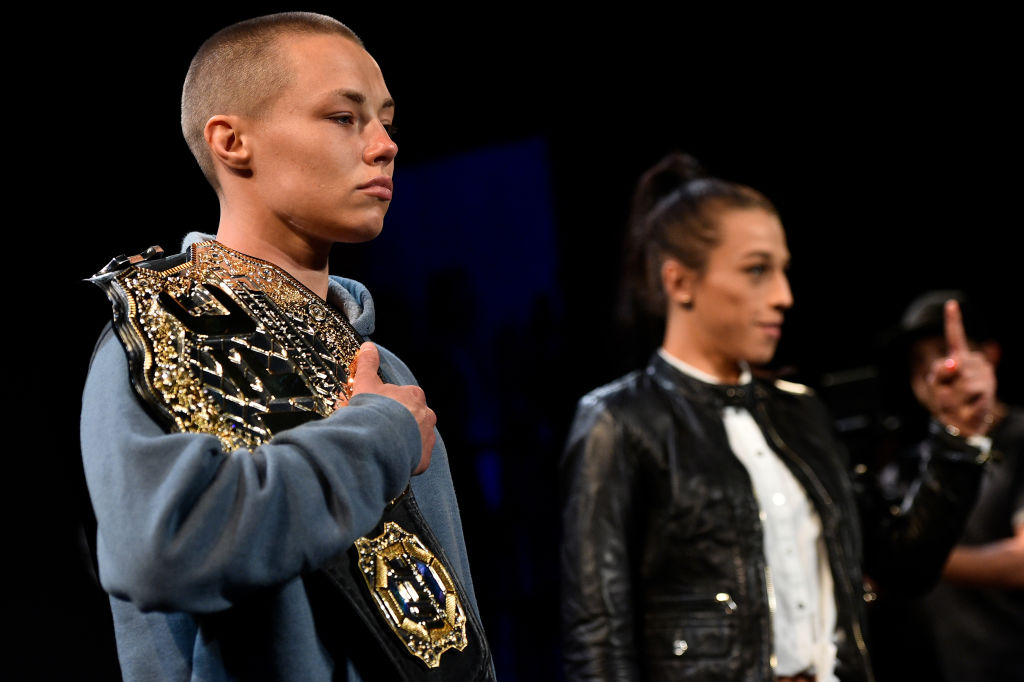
point(889, 142)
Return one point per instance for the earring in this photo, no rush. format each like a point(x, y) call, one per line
point(686, 301)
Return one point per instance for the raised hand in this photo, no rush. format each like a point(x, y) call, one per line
point(364, 379)
point(963, 384)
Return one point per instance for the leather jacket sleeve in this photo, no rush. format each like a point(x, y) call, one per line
point(597, 485)
point(906, 543)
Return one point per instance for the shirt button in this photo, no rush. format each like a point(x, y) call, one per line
point(679, 647)
point(779, 499)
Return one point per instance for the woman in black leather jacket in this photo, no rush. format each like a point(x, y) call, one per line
point(711, 529)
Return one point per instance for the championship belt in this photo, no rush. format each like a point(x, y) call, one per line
point(222, 343)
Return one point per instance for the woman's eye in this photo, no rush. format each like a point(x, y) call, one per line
point(344, 119)
point(757, 270)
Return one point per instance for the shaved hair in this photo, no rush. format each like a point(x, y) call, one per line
point(241, 70)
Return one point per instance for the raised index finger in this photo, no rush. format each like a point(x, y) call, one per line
point(956, 338)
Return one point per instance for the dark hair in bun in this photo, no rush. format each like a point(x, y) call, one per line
point(675, 211)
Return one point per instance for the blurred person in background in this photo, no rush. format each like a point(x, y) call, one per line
point(969, 628)
point(710, 524)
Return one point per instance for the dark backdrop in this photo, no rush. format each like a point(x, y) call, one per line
point(888, 142)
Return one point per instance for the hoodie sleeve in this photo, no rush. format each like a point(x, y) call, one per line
point(183, 525)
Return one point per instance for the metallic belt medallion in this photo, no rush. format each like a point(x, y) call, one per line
point(230, 345)
point(414, 591)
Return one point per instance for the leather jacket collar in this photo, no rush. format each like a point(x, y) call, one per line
point(718, 396)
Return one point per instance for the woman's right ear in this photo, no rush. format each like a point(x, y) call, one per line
point(226, 137)
point(677, 281)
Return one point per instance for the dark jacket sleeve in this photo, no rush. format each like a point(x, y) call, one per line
point(907, 542)
point(597, 472)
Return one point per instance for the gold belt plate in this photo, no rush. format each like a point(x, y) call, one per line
point(414, 592)
point(232, 345)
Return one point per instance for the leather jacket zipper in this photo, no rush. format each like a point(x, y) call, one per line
point(728, 605)
point(769, 586)
point(858, 636)
point(720, 600)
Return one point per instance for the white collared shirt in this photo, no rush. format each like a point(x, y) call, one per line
point(799, 580)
